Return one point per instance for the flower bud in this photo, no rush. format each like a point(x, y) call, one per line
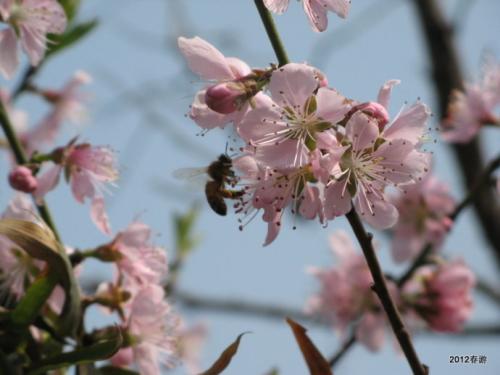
point(375, 110)
point(224, 97)
point(21, 178)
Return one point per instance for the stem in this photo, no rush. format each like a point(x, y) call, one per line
point(446, 77)
point(364, 238)
point(272, 33)
point(476, 188)
point(21, 159)
point(344, 349)
point(380, 287)
point(25, 82)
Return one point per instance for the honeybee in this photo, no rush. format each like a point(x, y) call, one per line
point(221, 175)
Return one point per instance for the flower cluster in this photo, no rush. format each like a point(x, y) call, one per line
point(29, 22)
point(316, 10)
point(307, 146)
point(437, 295)
point(474, 106)
point(423, 218)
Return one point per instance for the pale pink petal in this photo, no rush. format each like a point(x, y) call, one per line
point(339, 7)
point(410, 124)
point(292, 84)
point(337, 200)
point(311, 206)
point(406, 244)
point(204, 59)
point(285, 155)
point(331, 105)
point(384, 95)
point(99, 216)
point(34, 48)
point(371, 331)
point(317, 14)
point(238, 67)
point(362, 131)
point(277, 6)
point(261, 123)
point(47, 181)
point(9, 58)
point(380, 214)
point(273, 227)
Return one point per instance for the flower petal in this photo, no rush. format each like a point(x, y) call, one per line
point(204, 59)
point(277, 6)
point(317, 14)
point(409, 124)
point(332, 106)
point(99, 216)
point(384, 95)
point(9, 58)
point(362, 131)
point(292, 84)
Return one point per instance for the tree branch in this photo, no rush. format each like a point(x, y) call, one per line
point(447, 76)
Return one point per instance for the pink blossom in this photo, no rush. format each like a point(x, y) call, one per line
point(285, 129)
point(474, 106)
point(346, 296)
point(21, 178)
point(210, 64)
point(441, 295)
point(316, 10)
point(152, 330)
point(190, 343)
point(136, 257)
point(30, 21)
point(67, 104)
point(88, 169)
point(423, 217)
point(367, 168)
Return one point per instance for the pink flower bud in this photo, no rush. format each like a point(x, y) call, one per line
point(224, 97)
point(375, 110)
point(21, 178)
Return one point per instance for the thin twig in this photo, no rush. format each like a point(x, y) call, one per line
point(476, 188)
point(380, 287)
point(232, 306)
point(272, 33)
point(21, 158)
point(25, 81)
point(348, 344)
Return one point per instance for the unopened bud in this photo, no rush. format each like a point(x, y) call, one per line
point(21, 178)
point(225, 98)
point(375, 110)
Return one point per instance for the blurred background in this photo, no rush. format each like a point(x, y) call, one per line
point(137, 102)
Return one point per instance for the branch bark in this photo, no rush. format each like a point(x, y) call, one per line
point(447, 76)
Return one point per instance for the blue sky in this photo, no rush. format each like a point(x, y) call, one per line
point(140, 93)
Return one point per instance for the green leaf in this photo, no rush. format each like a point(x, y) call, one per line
point(225, 358)
point(70, 8)
point(70, 37)
point(315, 361)
point(40, 243)
point(184, 224)
point(99, 351)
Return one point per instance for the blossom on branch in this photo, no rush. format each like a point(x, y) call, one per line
point(234, 84)
point(442, 295)
point(346, 296)
point(474, 106)
point(316, 10)
point(423, 217)
point(88, 169)
point(30, 21)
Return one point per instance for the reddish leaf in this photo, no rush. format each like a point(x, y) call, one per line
point(225, 358)
point(317, 364)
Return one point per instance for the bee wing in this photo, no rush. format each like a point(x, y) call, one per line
point(196, 177)
point(189, 173)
